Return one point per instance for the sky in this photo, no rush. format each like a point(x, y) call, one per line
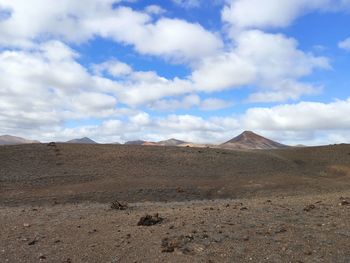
point(195, 70)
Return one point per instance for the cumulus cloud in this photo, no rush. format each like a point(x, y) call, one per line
point(345, 44)
point(306, 123)
point(190, 101)
point(215, 104)
point(114, 68)
point(272, 62)
point(155, 10)
point(75, 21)
point(300, 116)
point(46, 86)
point(250, 14)
point(187, 3)
point(43, 86)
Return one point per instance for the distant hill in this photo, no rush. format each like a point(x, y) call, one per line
point(150, 144)
point(13, 140)
point(84, 140)
point(197, 145)
point(251, 140)
point(171, 142)
point(138, 142)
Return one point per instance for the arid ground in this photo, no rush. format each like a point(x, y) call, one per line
point(214, 205)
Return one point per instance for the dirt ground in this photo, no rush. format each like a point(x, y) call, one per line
point(288, 205)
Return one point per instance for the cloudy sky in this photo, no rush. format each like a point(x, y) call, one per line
point(197, 70)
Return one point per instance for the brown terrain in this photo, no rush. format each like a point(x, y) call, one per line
point(13, 140)
point(58, 203)
point(251, 140)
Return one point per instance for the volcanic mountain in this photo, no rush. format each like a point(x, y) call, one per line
point(84, 140)
point(138, 142)
point(251, 140)
point(171, 142)
point(13, 140)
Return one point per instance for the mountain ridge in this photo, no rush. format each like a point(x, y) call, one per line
point(15, 140)
point(84, 140)
point(250, 140)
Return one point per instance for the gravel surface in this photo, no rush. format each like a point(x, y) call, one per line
point(58, 203)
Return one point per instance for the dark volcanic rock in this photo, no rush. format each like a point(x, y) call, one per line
point(150, 220)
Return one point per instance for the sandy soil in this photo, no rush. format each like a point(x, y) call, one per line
point(216, 205)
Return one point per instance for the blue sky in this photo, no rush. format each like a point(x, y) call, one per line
point(201, 71)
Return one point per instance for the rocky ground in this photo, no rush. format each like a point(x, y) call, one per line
point(175, 205)
point(281, 229)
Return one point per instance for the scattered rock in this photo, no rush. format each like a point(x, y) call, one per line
point(119, 206)
point(243, 208)
point(308, 208)
point(34, 241)
point(180, 190)
point(42, 256)
point(344, 201)
point(281, 230)
point(26, 225)
point(51, 144)
point(169, 244)
point(150, 220)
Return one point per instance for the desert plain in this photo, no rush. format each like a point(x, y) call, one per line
point(210, 204)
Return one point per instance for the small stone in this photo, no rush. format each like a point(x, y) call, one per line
point(180, 190)
point(119, 205)
point(281, 230)
point(33, 242)
point(150, 220)
point(26, 225)
point(308, 208)
point(344, 202)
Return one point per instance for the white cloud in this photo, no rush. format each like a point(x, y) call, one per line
point(45, 87)
point(250, 14)
point(300, 117)
point(187, 3)
point(284, 90)
point(272, 62)
point(223, 71)
point(345, 44)
point(215, 104)
point(141, 119)
point(172, 38)
point(190, 101)
point(155, 10)
point(186, 102)
point(77, 21)
point(114, 68)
